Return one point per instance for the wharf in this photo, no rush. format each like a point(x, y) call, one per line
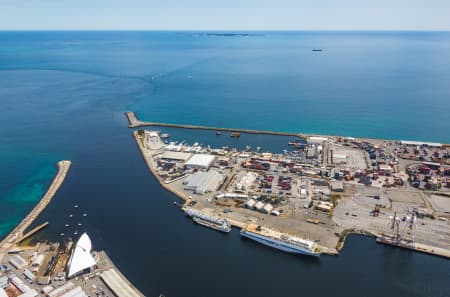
point(352, 214)
point(418, 247)
point(18, 232)
point(148, 160)
point(152, 168)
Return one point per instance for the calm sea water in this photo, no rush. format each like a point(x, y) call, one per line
point(63, 94)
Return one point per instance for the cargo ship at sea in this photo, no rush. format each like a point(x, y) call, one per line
point(281, 241)
point(206, 220)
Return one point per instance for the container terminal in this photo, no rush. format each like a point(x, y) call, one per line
point(57, 269)
point(320, 189)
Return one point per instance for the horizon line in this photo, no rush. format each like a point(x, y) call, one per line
point(225, 30)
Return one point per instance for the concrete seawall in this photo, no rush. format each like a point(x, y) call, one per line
point(153, 171)
point(134, 123)
point(17, 233)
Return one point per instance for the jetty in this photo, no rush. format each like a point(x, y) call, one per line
point(32, 232)
point(134, 122)
point(18, 232)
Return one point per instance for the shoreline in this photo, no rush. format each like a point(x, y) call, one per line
point(148, 158)
point(17, 233)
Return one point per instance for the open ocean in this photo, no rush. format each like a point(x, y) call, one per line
point(63, 95)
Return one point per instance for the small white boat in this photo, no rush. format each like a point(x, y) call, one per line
point(85, 215)
point(76, 206)
point(75, 233)
point(67, 225)
point(71, 215)
point(62, 234)
point(79, 225)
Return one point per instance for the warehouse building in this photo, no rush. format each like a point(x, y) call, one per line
point(200, 161)
point(118, 284)
point(3, 282)
point(250, 203)
point(203, 182)
point(339, 158)
point(385, 168)
point(316, 140)
point(420, 143)
point(259, 205)
point(175, 156)
point(18, 262)
point(267, 208)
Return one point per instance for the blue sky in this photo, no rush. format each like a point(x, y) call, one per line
point(225, 14)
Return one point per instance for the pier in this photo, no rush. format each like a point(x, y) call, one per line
point(18, 233)
point(32, 232)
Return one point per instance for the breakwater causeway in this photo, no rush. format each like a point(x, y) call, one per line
point(17, 233)
point(135, 122)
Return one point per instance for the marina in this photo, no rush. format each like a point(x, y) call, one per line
point(57, 269)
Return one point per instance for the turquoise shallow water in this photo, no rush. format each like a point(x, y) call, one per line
point(63, 94)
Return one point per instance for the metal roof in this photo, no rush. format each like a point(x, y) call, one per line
point(419, 143)
point(119, 286)
point(201, 160)
point(81, 258)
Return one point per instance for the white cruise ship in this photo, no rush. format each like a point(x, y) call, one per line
point(206, 220)
point(281, 241)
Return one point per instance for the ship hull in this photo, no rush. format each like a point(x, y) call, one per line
point(282, 246)
point(211, 225)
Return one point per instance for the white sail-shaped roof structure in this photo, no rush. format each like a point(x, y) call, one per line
point(81, 258)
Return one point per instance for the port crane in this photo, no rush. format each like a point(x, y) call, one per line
point(394, 225)
point(410, 223)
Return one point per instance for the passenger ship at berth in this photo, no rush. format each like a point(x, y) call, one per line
point(206, 220)
point(281, 241)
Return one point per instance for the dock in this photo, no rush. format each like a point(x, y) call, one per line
point(418, 247)
point(18, 232)
point(153, 171)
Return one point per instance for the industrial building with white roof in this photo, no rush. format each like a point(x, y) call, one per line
point(204, 182)
point(200, 161)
